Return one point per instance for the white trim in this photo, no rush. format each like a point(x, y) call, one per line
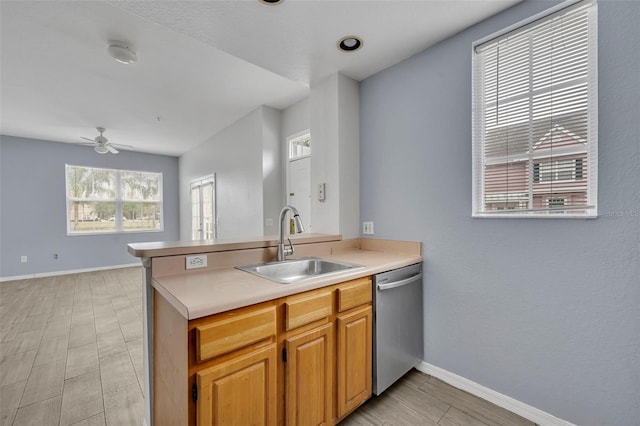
point(528, 21)
point(520, 408)
point(68, 272)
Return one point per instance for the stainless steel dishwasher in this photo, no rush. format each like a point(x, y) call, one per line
point(398, 324)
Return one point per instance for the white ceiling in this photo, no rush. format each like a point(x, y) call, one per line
point(201, 64)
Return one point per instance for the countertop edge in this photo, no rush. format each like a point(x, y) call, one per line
point(161, 249)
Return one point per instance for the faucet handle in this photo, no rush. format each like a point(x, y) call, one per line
point(289, 250)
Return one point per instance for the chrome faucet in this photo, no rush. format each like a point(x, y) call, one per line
point(282, 251)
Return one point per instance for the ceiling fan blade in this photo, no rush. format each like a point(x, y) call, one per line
point(87, 139)
point(111, 149)
point(119, 145)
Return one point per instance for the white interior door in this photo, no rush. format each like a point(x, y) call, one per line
point(299, 194)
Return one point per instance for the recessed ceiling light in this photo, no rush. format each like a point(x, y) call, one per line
point(349, 43)
point(122, 52)
point(271, 2)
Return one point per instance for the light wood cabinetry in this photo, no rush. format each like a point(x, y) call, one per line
point(225, 335)
point(240, 391)
point(309, 377)
point(301, 360)
point(354, 359)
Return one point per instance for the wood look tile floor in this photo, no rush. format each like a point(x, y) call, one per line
point(71, 354)
point(71, 349)
point(419, 399)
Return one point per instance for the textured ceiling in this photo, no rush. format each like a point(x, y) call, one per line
point(202, 64)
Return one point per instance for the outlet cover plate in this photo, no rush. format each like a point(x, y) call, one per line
point(195, 262)
point(367, 228)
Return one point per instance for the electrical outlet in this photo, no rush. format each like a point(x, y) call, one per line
point(194, 262)
point(55, 255)
point(268, 222)
point(367, 228)
point(23, 259)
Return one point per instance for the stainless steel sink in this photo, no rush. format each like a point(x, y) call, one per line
point(294, 270)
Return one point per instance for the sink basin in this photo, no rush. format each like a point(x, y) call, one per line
point(294, 270)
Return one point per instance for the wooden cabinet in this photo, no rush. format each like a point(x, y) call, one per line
point(355, 345)
point(354, 359)
point(309, 377)
point(240, 391)
point(300, 360)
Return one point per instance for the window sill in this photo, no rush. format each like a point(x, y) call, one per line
point(532, 216)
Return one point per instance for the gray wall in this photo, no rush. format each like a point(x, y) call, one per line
point(545, 311)
point(32, 201)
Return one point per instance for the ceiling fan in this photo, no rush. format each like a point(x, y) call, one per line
point(102, 145)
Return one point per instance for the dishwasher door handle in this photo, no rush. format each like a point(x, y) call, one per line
point(400, 283)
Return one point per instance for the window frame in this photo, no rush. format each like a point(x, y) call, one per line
point(118, 200)
point(294, 137)
point(478, 173)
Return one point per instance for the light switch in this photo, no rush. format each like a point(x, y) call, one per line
point(321, 191)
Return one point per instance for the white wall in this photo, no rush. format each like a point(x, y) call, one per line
point(273, 165)
point(325, 215)
point(349, 155)
point(334, 106)
point(235, 156)
point(295, 119)
point(249, 160)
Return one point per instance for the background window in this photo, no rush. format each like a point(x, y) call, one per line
point(109, 200)
point(535, 117)
point(300, 146)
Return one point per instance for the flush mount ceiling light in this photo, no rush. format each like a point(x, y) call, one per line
point(349, 43)
point(122, 52)
point(100, 149)
point(271, 2)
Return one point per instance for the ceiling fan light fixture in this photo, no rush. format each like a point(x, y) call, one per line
point(100, 149)
point(349, 43)
point(271, 2)
point(122, 52)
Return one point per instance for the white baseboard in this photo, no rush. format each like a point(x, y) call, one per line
point(68, 272)
point(528, 412)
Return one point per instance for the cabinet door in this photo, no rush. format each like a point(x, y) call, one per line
point(354, 359)
point(240, 391)
point(309, 377)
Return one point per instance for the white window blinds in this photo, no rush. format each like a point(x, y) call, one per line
point(535, 118)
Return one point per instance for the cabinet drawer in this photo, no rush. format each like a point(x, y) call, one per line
point(354, 293)
point(307, 309)
point(229, 334)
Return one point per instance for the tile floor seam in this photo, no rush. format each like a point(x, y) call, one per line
point(445, 413)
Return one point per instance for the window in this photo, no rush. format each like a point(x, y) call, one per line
point(300, 146)
point(203, 208)
point(535, 117)
point(110, 200)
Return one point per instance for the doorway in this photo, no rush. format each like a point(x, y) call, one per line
point(203, 208)
point(299, 176)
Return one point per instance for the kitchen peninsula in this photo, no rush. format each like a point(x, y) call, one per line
point(217, 327)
